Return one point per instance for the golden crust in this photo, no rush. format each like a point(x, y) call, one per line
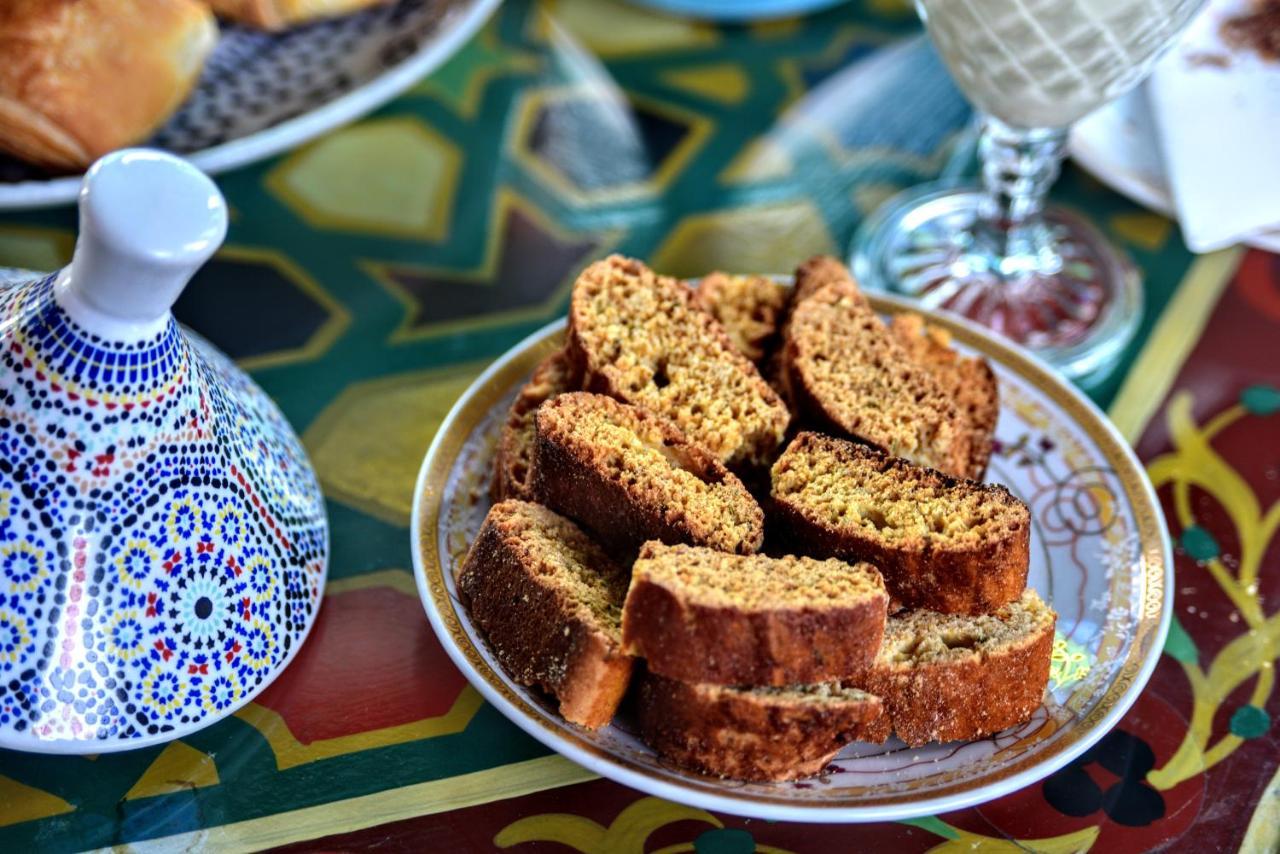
point(81, 78)
point(969, 381)
point(745, 734)
point(630, 476)
point(850, 376)
point(513, 462)
point(965, 693)
point(523, 599)
point(965, 573)
point(278, 14)
point(686, 630)
point(749, 308)
point(641, 339)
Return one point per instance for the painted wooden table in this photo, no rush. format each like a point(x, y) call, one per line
point(370, 276)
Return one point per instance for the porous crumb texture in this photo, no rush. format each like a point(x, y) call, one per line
point(630, 475)
point(849, 374)
point(642, 340)
point(755, 733)
point(947, 677)
point(555, 375)
point(818, 272)
point(921, 636)
point(822, 693)
point(549, 600)
point(714, 579)
point(564, 557)
point(748, 307)
point(699, 615)
point(970, 382)
point(942, 543)
point(846, 485)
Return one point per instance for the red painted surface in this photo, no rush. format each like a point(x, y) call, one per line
point(371, 662)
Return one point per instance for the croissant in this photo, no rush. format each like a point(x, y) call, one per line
point(81, 78)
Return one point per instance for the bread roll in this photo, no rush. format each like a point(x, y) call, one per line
point(81, 78)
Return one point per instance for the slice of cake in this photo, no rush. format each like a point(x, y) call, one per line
point(631, 476)
point(555, 375)
point(748, 307)
point(642, 340)
point(818, 272)
point(970, 382)
point(941, 543)
point(550, 602)
point(700, 615)
point(755, 733)
point(849, 375)
point(946, 677)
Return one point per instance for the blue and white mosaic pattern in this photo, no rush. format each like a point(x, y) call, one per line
point(162, 540)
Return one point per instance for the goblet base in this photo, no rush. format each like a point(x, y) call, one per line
point(1057, 287)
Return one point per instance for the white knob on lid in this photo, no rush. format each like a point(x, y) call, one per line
point(148, 221)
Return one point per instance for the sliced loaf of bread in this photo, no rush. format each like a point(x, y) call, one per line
point(630, 476)
point(700, 615)
point(948, 677)
point(555, 375)
point(818, 272)
point(970, 382)
point(755, 734)
point(951, 545)
point(748, 307)
point(850, 376)
point(641, 339)
point(550, 602)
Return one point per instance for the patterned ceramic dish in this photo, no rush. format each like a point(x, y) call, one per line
point(262, 93)
point(163, 538)
point(1100, 555)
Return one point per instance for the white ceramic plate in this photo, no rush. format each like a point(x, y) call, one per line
point(1100, 555)
point(262, 93)
point(1118, 144)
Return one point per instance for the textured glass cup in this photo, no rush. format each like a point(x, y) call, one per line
point(996, 253)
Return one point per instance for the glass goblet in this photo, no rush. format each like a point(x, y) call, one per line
point(997, 253)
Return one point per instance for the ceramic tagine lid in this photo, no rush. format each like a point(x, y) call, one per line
point(163, 540)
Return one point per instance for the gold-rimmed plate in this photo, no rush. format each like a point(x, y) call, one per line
point(1100, 555)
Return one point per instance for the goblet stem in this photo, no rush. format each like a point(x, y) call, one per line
point(1019, 165)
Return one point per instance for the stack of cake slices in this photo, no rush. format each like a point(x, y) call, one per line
point(758, 511)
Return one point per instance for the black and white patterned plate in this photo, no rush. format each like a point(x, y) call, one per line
point(262, 93)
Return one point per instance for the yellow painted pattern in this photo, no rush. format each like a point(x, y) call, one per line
point(625, 835)
point(1067, 843)
point(725, 83)
point(461, 82)
point(763, 159)
point(616, 106)
point(763, 238)
point(19, 802)
point(34, 248)
point(611, 28)
point(178, 768)
point(430, 798)
point(1194, 463)
point(1180, 326)
point(388, 177)
point(486, 273)
point(360, 442)
point(1263, 834)
point(1145, 230)
point(290, 752)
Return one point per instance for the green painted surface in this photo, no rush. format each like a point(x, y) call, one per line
point(509, 65)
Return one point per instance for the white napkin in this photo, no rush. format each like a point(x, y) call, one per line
point(1220, 133)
